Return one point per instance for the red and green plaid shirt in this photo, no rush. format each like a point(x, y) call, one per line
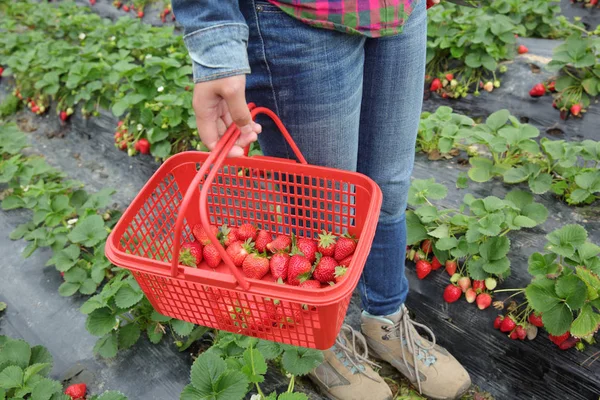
point(372, 18)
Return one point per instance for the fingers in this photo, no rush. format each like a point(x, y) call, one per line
point(205, 103)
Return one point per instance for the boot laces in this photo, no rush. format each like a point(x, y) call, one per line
point(350, 352)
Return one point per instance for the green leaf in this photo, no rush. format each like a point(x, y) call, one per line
point(107, 345)
point(3, 306)
point(45, 388)
point(588, 250)
point(499, 267)
point(415, 231)
point(89, 231)
point(12, 202)
point(67, 289)
point(462, 181)
point(542, 264)
point(495, 248)
point(67, 257)
point(34, 369)
point(591, 280)
point(572, 289)
point(524, 222)
point(128, 335)
point(441, 231)
point(182, 328)
point(88, 287)
point(112, 395)
point(422, 189)
point(292, 396)
point(497, 120)
point(16, 352)
point(557, 320)
point(255, 367)
point(75, 275)
point(156, 316)
point(155, 332)
point(100, 322)
point(211, 379)
point(41, 355)
point(540, 184)
point(481, 170)
point(300, 361)
point(536, 212)
point(541, 295)
point(161, 149)
point(191, 393)
point(270, 350)
point(516, 175)
point(127, 297)
point(446, 243)
point(11, 377)
point(564, 241)
point(427, 213)
point(586, 323)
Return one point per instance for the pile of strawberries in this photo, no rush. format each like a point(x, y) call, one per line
point(124, 140)
point(284, 259)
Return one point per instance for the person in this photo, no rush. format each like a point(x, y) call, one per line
point(346, 78)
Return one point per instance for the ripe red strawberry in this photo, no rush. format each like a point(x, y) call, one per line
point(143, 146)
point(423, 269)
point(452, 293)
point(255, 266)
point(470, 295)
point(140, 14)
point(279, 265)
point(484, 300)
point(478, 286)
point(35, 109)
point(538, 90)
point(426, 246)
point(507, 324)
point(281, 242)
point(536, 319)
point(569, 343)
point(201, 236)
point(340, 274)
point(498, 321)
point(1, 71)
point(126, 8)
point(92, 2)
point(521, 332)
point(190, 254)
point(552, 86)
point(449, 76)
point(464, 282)
point(345, 247)
point(246, 231)
point(325, 270)
point(345, 262)
point(593, 2)
point(238, 251)
point(211, 255)
point(326, 245)
point(298, 269)
point(451, 267)
point(576, 109)
point(311, 284)
point(76, 391)
point(63, 116)
point(557, 340)
point(436, 85)
point(514, 335)
point(263, 238)
point(120, 124)
point(228, 235)
point(308, 247)
point(435, 264)
point(117, 4)
point(522, 49)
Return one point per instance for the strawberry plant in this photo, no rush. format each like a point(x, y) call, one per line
point(538, 17)
point(437, 135)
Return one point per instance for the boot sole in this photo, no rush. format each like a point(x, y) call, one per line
point(323, 390)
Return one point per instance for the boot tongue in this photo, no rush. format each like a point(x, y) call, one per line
point(396, 317)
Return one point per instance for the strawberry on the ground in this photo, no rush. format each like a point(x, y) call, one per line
point(311, 284)
point(478, 286)
point(435, 264)
point(538, 90)
point(451, 267)
point(470, 295)
point(211, 255)
point(325, 270)
point(140, 14)
point(423, 269)
point(484, 300)
point(298, 269)
point(452, 293)
point(279, 265)
point(255, 266)
point(1, 71)
point(263, 238)
point(491, 283)
point(126, 8)
point(246, 231)
point(190, 254)
point(76, 391)
point(143, 146)
point(345, 262)
point(521, 332)
point(63, 116)
point(436, 85)
point(552, 86)
point(514, 335)
point(498, 321)
point(522, 49)
point(557, 340)
point(238, 251)
point(507, 324)
point(281, 242)
point(536, 319)
point(92, 2)
point(569, 343)
point(308, 247)
point(326, 245)
point(426, 246)
point(576, 109)
point(345, 247)
point(340, 274)
point(201, 235)
point(464, 282)
point(228, 235)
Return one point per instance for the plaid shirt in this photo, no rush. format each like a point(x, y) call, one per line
point(372, 18)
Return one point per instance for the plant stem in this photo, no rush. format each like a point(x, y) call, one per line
point(290, 388)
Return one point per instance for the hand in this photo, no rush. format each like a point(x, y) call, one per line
point(219, 103)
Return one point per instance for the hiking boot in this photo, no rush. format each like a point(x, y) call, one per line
point(434, 371)
point(346, 373)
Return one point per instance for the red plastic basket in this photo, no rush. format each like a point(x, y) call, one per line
point(278, 195)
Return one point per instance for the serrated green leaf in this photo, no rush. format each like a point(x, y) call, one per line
point(499, 267)
point(67, 257)
point(423, 189)
point(41, 355)
point(89, 231)
point(34, 369)
point(462, 181)
point(564, 241)
point(292, 396)
point(481, 169)
point(127, 297)
point(415, 231)
point(191, 393)
point(128, 335)
point(270, 350)
point(112, 395)
point(439, 232)
point(155, 332)
point(255, 366)
point(45, 388)
point(427, 213)
point(300, 361)
point(557, 320)
point(497, 120)
point(591, 280)
point(586, 323)
point(17, 352)
point(11, 377)
point(536, 212)
point(182, 328)
point(156, 316)
point(100, 322)
point(67, 289)
point(516, 175)
point(107, 345)
point(446, 243)
point(495, 248)
point(542, 264)
point(211, 379)
point(541, 295)
point(572, 290)
point(588, 250)
point(540, 184)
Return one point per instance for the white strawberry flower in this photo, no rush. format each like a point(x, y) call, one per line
point(140, 127)
point(148, 56)
point(81, 36)
point(160, 89)
point(72, 221)
point(256, 397)
point(113, 38)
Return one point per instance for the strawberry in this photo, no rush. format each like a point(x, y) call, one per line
point(345, 262)
point(126, 8)
point(418, 255)
point(454, 278)
point(489, 87)
point(452, 293)
point(35, 109)
point(478, 286)
point(279, 265)
point(563, 114)
point(470, 295)
point(298, 270)
point(238, 251)
point(308, 247)
point(538, 90)
point(569, 343)
point(557, 340)
point(464, 282)
point(426, 246)
point(190, 254)
point(423, 269)
point(435, 264)
point(228, 235)
point(326, 245)
point(507, 324)
point(281, 242)
point(514, 335)
point(449, 76)
point(491, 283)
point(201, 236)
point(536, 319)
point(576, 109)
point(311, 284)
point(255, 266)
point(436, 85)
point(522, 49)
point(262, 239)
point(117, 4)
point(521, 332)
point(211, 255)
point(76, 391)
point(1, 71)
point(143, 146)
point(498, 321)
point(552, 86)
point(340, 274)
point(451, 267)
point(246, 231)
point(325, 270)
point(63, 116)
point(140, 14)
point(92, 2)
point(120, 124)
point(345, 247)
point(484, 300)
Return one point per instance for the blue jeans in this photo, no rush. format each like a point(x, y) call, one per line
point(352, 103)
